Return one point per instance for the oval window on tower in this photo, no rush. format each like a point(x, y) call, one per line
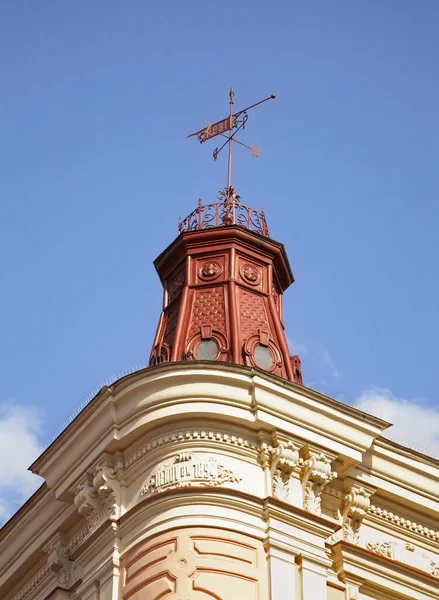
point(263, 357)
point(207, 350)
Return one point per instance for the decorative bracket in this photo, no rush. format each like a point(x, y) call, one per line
point(316, 473)
point(356, 504)
point(98, 495)
point(279, 462)
point(60, 563)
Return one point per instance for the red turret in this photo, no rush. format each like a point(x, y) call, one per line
point(223, 280)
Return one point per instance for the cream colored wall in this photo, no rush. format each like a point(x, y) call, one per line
point(335, 593)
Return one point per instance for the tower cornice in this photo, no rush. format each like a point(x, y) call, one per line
point(205, 238)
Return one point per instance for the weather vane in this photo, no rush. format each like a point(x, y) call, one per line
point(231, 124)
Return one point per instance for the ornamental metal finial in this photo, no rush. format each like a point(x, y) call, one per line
point(231, 124)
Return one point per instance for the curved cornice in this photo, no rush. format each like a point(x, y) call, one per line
point(143, 400)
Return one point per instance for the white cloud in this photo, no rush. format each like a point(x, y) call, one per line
point(296, 348)
point(329, 362)
point(415, 424)
point(20, 427)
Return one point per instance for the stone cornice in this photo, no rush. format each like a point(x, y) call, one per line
point(34, 582)
point(177, 386)
point(408, 453)
point(26, 508)
point(303, 519)
point(154, 373)
point(397, 521)
point(23, 539)
point(378, 571)
point(220, 235)
point(263, 509)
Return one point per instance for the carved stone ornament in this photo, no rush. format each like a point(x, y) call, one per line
point(210, 270)
point(34, 582)
point(404, 552)
point(388, 515)
point(98, 495)
point(316, 473)
point(251, 273)
point(382, 548)
point(281, 462)
point(190, 435)
point(356, 504)
point(60, 563)
point(188, 469)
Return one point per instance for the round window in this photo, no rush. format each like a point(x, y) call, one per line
point(263, 357)
point(207, 350)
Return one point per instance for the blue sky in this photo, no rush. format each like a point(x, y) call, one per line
point(97, 99)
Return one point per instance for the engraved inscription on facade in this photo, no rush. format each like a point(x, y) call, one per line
point(188, 469)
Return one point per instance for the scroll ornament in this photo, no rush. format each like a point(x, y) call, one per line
point(355, 507)
point(60, 562)
point(281, 461)
point(316, 473)
point(98, 495)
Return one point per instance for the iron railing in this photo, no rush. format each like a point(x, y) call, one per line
point(229, 211)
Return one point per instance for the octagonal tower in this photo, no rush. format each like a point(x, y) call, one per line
point(223, 280)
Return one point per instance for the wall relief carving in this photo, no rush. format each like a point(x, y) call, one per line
point(405, 553)
point(251, 273)
point(210, 270)
point(202, 563)
point(186, 469)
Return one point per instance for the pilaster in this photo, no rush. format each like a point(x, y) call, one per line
point(296, 535)
point(313, 573)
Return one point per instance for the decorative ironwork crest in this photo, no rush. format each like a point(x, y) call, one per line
point(229, 211)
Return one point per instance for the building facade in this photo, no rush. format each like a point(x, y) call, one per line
point(214, 473)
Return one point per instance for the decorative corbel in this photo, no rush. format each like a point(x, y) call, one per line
point(316, 472)
point(356, 504)
point(86, 496)
point(279, 462)
point(98, 495)
point(60, 562)
point(107, 485)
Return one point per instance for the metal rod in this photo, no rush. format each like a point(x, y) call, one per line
point(229, 170)
point(229, 137)
point(235, 140)
point(272, 97)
